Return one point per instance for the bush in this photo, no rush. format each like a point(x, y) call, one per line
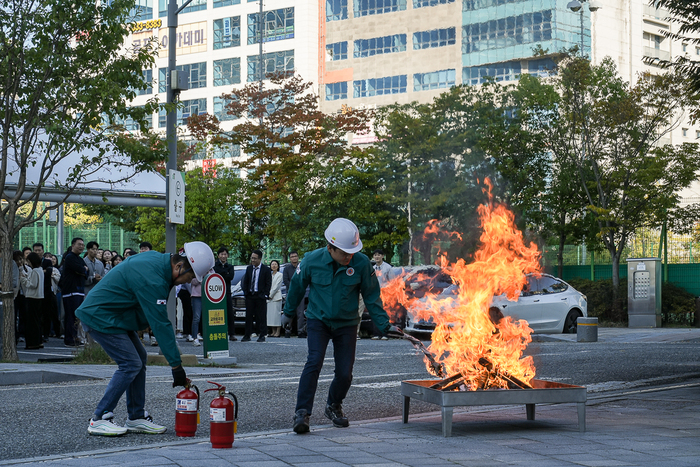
point(600, 299)
point(93, 354)
point(677, 304)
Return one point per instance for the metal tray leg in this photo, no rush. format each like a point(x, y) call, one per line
point(530, 411)
point(581, 417)
point(406, 405)
point(447, 421)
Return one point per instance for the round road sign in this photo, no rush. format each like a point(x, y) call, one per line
point(215, 288)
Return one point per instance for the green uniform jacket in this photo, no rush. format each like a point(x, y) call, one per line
point(334, 298)
point(132, 297)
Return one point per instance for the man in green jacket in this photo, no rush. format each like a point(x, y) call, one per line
point(132, 297)
point(335, 275)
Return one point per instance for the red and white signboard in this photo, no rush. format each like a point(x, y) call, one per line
point(215, 288)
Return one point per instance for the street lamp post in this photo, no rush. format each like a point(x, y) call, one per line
point(577, 6)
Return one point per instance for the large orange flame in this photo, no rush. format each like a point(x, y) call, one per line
point(465, 331)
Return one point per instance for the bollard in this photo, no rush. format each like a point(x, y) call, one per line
point(587, 330)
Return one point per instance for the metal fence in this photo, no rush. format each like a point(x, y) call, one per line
point(107, 235)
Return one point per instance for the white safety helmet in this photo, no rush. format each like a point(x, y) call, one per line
point(343, 233)
point(200, 257)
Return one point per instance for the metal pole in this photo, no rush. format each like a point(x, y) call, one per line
point(171, 124)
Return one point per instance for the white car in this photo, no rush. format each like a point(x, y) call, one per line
point(547, 303)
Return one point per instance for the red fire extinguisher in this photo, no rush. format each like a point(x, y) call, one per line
point(187, 411)
point(223, 416)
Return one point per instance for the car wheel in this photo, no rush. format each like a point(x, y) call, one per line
point(570, 322)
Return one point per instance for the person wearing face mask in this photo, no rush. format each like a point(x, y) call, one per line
point(131, 297)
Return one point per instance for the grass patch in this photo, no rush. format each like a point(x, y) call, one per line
point(92, 354)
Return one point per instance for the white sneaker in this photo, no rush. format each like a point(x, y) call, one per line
point(144, 425)
point(178, 335)
point(384, 338)
point(196, 343)
point(190, 338)
point(199, 336)
point(106, 426)
point(154, 342)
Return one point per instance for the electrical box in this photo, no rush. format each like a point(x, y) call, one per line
point(644, 292)
point(179, 80)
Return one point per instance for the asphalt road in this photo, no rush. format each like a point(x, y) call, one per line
point(46, 419)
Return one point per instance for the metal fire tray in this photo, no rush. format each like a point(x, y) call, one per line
point(543, 392)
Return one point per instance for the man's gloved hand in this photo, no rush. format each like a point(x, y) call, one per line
point(179, 376)
point(286, 320)
point(394, 332)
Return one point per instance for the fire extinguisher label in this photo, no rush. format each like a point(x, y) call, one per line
point(217, 415)
point(186, 405)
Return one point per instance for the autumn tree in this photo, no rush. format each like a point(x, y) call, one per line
point(287, 141)
point(63, 73)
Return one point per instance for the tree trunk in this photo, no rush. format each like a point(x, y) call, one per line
point(616, 305)
point(9, 347)
point(562, 241)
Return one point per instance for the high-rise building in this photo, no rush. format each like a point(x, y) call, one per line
point(377, 52)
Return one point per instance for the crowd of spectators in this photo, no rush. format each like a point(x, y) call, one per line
point(48, 293)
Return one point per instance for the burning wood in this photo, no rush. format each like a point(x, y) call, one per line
point(467, 327)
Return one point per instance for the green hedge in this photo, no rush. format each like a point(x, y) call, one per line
point(677, 304)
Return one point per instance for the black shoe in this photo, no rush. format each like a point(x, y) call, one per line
point(232, 338)
point(301, 421)
point(261, 339)
point(245, 339)
point(287, 334)
point(301, 335)
point(334, 412)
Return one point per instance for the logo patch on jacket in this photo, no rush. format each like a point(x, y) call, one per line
point(350, 271)
point(161, 302)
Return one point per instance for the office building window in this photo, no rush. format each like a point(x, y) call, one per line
point(225, 151)
point(504, 32)
point(685, 132)
point(509, 71)
point(223, 3)
point(195, 148)
point(274, 62)
point(227, 32)
point(227, 71)
point(379, 86)
point(471, 5)
point(196, 5)
point(148, 81)
point(197, 73)
point(377, 7)
point(434, 38)
point(380, 45)
point(337, 51)
point(142, 10)
point(335, 91)
point(189, 108)
point(427, 3)
point(279, 25)
point(697, 50)
point(220, 109)
point(336, 10)
point(685, 47)
point(435, 80)
point(541, 67)
point(697, 134)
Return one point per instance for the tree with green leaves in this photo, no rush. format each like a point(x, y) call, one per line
point(213, 211)
point(611, 133)
point(63, 73)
